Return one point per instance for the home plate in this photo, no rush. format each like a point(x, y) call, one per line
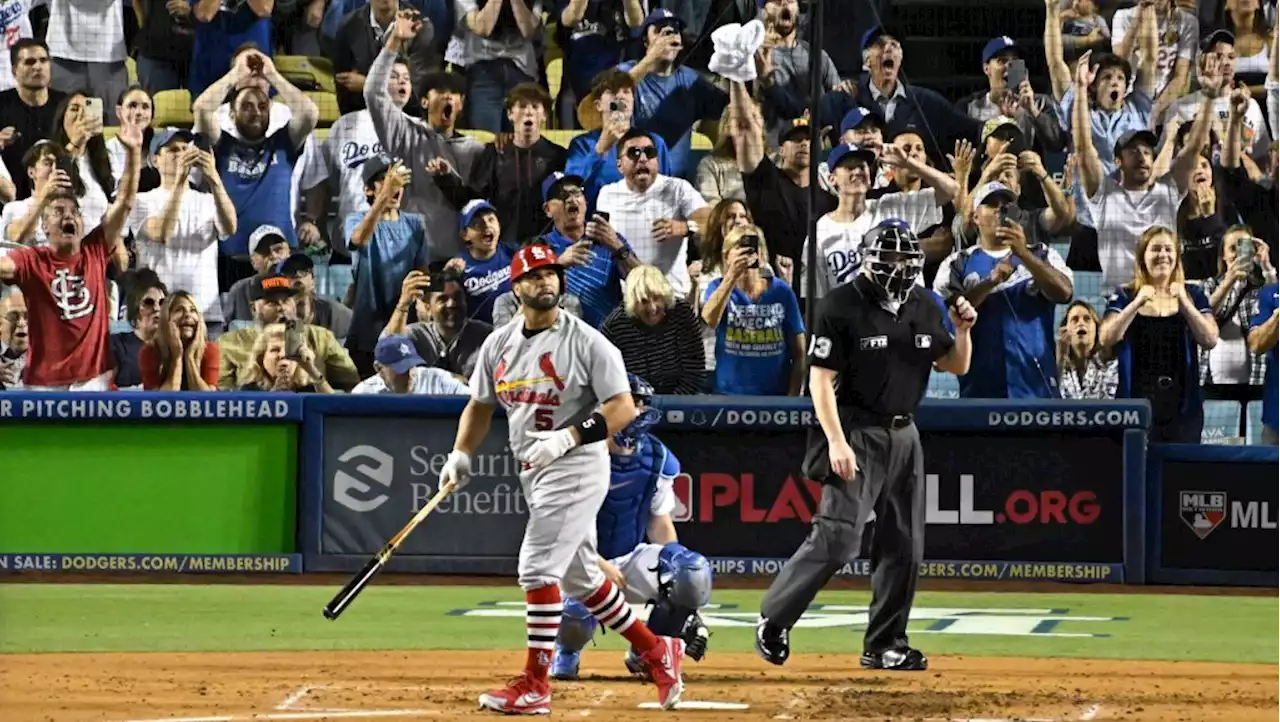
point(695, 704)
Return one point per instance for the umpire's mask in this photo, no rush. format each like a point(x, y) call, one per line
point(892, 258)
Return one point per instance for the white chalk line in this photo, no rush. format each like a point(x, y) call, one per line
point(1090, 712)
point(294, 697)
point(598, 701)
point(792, 704)
point(310, 714)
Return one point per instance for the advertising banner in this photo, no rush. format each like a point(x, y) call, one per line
point(1025, 497)
point(97, 486)
point(1220, 521)
point(378, 472)
point(1051, 501)
point(154, 563)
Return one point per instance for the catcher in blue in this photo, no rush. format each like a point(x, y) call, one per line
point(638, 547)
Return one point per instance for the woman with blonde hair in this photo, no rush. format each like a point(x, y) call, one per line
point(180, 357)
point(657, 333)
point(760, 343)
point(1155, 325)
point(719, 178)
point(273, 370)
point(1085, 369)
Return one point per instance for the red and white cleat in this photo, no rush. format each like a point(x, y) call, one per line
point(522, 695)
point(664, 668)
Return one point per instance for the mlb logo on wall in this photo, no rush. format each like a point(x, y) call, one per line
point(682, 485)
point(1202, 511)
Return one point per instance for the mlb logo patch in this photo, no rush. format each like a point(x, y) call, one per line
point(682, 486)
point(1202, 511)
point(924, 340)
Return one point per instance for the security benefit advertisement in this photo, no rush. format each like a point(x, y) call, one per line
point(378, 472)
point(1012, 497)
point(1215, 520)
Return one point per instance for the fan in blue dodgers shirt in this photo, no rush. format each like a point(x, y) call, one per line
point(485, 263)
point(1017, 285)
point(659, 571)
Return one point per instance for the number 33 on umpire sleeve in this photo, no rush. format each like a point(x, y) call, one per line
point(819, 347)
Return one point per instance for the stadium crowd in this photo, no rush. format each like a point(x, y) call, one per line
point(1114, 221)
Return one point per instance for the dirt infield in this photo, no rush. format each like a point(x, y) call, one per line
point(444, 685)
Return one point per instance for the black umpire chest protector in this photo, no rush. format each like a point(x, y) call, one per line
point(888, 357)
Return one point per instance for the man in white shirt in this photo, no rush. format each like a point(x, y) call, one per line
point(840, 232)
point(1215, 69)
point(353, 140)
point(178, 228)
point(86, 44)
point(15, 23)
point(655, 213)
point(1123, 208)
point(402, 371)
point(1176, 32)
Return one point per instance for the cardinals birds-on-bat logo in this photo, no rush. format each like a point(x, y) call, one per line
point(549, 368)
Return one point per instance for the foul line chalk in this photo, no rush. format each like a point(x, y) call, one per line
point(696, 704)
point(317, 714)
point(792, 704)
point(1091, 712)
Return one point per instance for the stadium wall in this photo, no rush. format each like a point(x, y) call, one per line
point(1019, 491)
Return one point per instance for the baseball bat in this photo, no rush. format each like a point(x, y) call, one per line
point(348, 594)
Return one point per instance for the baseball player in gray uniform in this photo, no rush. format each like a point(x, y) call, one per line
point(564, 389)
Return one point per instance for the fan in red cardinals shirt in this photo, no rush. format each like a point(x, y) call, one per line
point(65, 285)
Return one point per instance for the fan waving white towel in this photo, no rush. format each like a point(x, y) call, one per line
point(735, 50)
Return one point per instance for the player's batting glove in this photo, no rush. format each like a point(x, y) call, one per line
point(549, 446)
point(457, 469)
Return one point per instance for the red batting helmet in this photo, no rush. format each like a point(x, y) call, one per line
point(532, 256)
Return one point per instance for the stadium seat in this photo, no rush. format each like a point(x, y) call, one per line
point(483, 137)
point(701, 143)
point(332, 280)
point(561, 138)
point(309, 74)
point(238, 324)
point(1253, 423)
point(121, 326)
point(131, 66)
point(110, 131)
point(328, 104)
point(555, 75)
point(1088, 286)
point(943, 386)
point(1221, 423)
point(173, 108)
point(1062, 248)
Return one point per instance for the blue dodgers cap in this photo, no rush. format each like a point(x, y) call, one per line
point(662, 16)
point(167, 136)
point(995, 46)
point(846, 150)
point(473, 209)
point(857, 117)
point(375, 167)
point(874, 34)
point(550, 182)
point(397, 353)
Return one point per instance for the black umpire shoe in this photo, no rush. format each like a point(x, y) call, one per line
point(695, 636)
point(772, 642)
point(901, 659)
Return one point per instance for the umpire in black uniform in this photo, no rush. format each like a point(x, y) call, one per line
point(874, 342)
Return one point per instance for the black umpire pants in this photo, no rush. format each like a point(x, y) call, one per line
point(890, 481)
